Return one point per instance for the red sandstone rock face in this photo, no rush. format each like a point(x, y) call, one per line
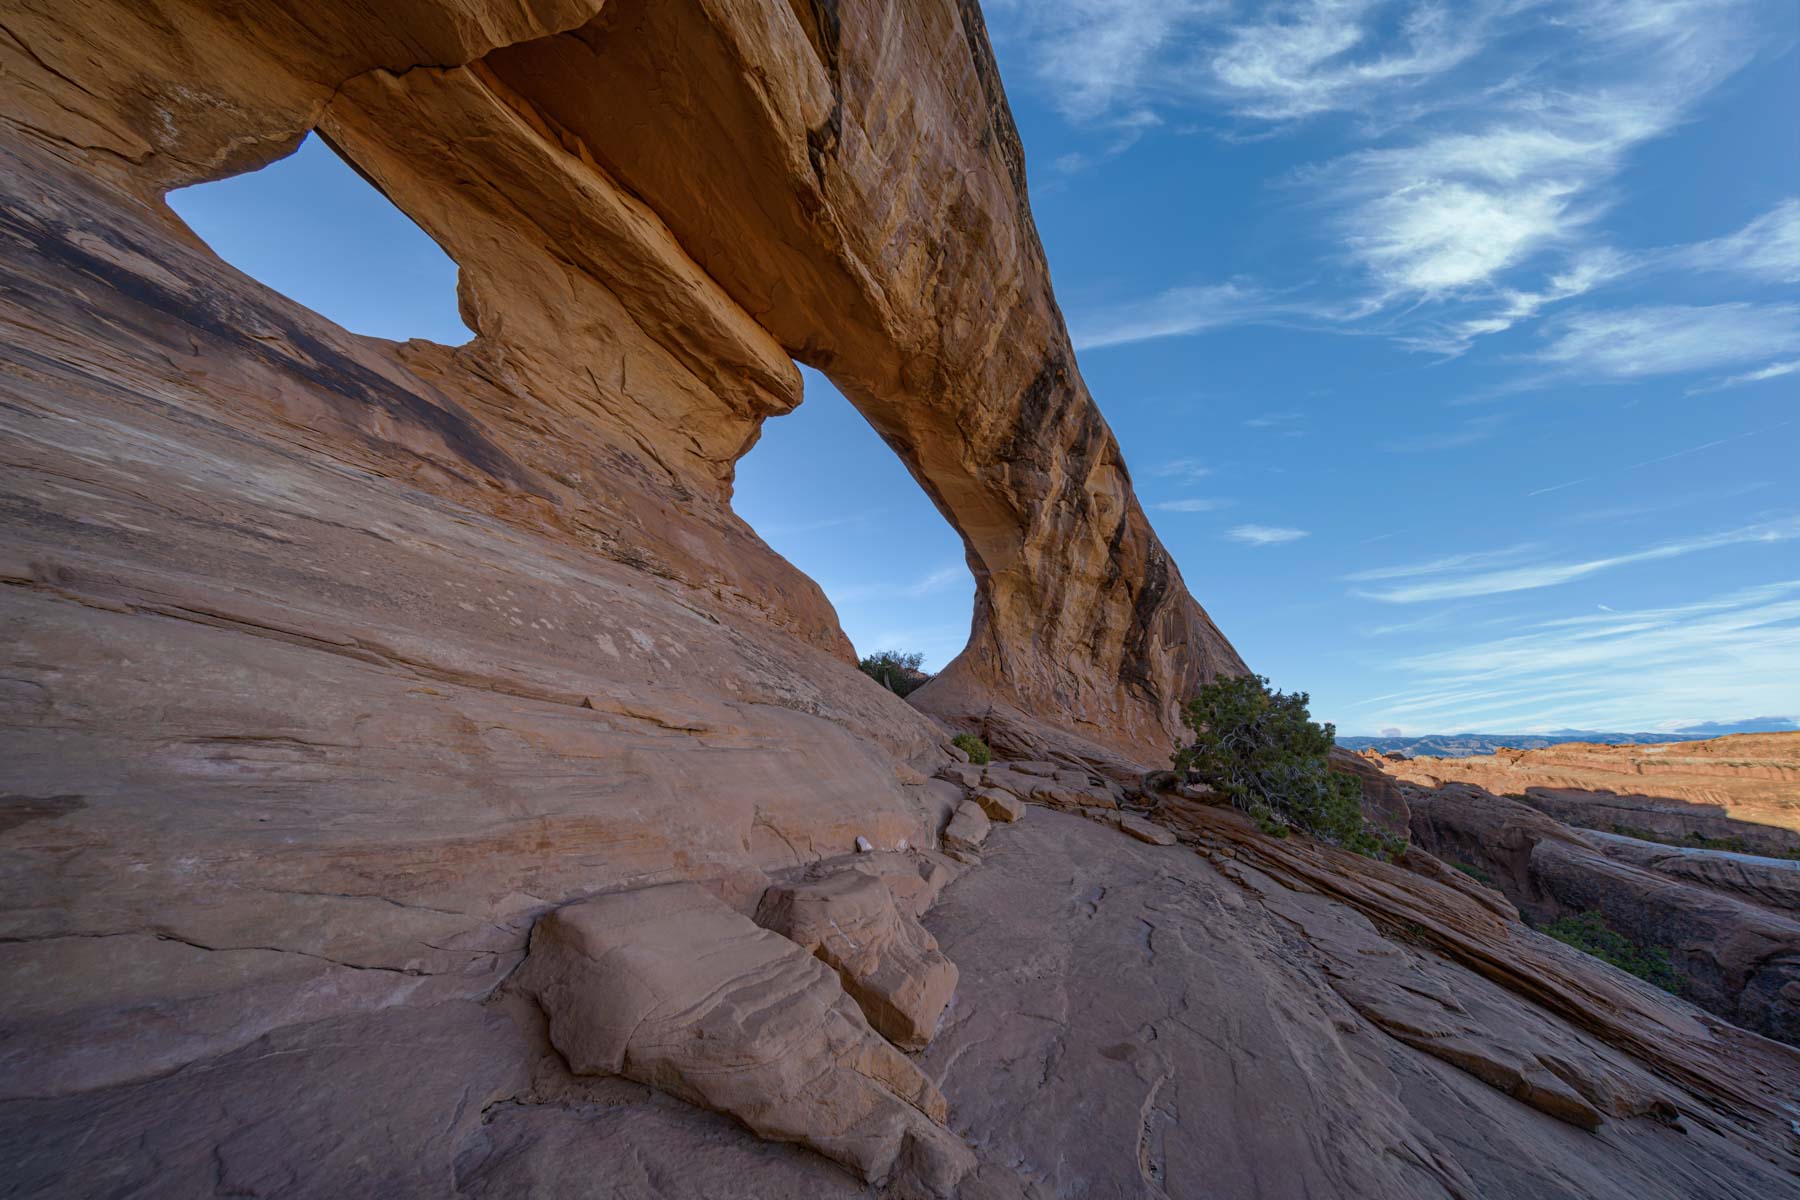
point(334, 668)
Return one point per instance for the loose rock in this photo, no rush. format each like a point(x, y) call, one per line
point(968, 828)
point(669, 987)
point(1000, 805)
point(887, 961)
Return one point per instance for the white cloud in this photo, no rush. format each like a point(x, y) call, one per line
point(1543, 575)
point(1440, 566)
point(1767, 248)
point(1304, 58)
point(1109, 61)
point(1097, 57)
point(943, 579)
point(1587, 270)
point(1173, 313)
point(1263, 535)
point(1640, 669)
point(1773, 371)
point(1497, 144)
point(1453, 210)
point(1187, 468)
point(940, 580)
point(1191, 506)
point(1275, 420)
point(1635, 342)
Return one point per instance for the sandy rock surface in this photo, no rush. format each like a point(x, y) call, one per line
point(1737, 953)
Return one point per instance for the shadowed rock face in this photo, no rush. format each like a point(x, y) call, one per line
point(334, 668)
point(1726, 921)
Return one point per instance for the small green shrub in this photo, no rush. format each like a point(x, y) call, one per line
point(1474, 872)
point(974, 747)
point(1263, 751)
point(898, 673)
point(1590, 934)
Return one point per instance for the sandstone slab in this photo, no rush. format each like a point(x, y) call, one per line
point(999, 805)
point(1145, 831)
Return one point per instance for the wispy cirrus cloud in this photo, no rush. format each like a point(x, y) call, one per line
point(942, 579)
point(1107, 60)
point(1775, 370)
point(1491, 147)
point(1264, 535)
point(1174, 313)
point(1454, 209)
point(1192, 505)
point(1185, 468)
point(1768, 248)
point(1102, 57)
point(1672, 339)
point(1300, 59)
point(1473, 560)
point(1626, 668)
point(1458, 586)
point(1469, 433)
point(1276, 420)
point(1671, 456)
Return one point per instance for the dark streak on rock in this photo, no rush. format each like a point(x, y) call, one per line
point(204, 310)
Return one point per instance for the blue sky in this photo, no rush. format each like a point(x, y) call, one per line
point(1455, 350)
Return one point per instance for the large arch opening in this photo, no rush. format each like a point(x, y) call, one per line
point(827, 494)
point(311, 227)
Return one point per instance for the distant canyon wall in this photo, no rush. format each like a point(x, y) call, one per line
point(1714, 787)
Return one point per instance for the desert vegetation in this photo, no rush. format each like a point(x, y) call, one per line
point(1264, 752)
point(1590, 934)
point(974, 747)
point(897, 671)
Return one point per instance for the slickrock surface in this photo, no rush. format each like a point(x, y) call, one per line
point(1744, 786)
point(340, 680)
point(1260, 1020)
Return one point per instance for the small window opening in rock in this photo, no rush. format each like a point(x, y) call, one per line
point(827, 494)
point(314, 230)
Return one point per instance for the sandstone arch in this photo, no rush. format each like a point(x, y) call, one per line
point(332, 666)
point(653, 206)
